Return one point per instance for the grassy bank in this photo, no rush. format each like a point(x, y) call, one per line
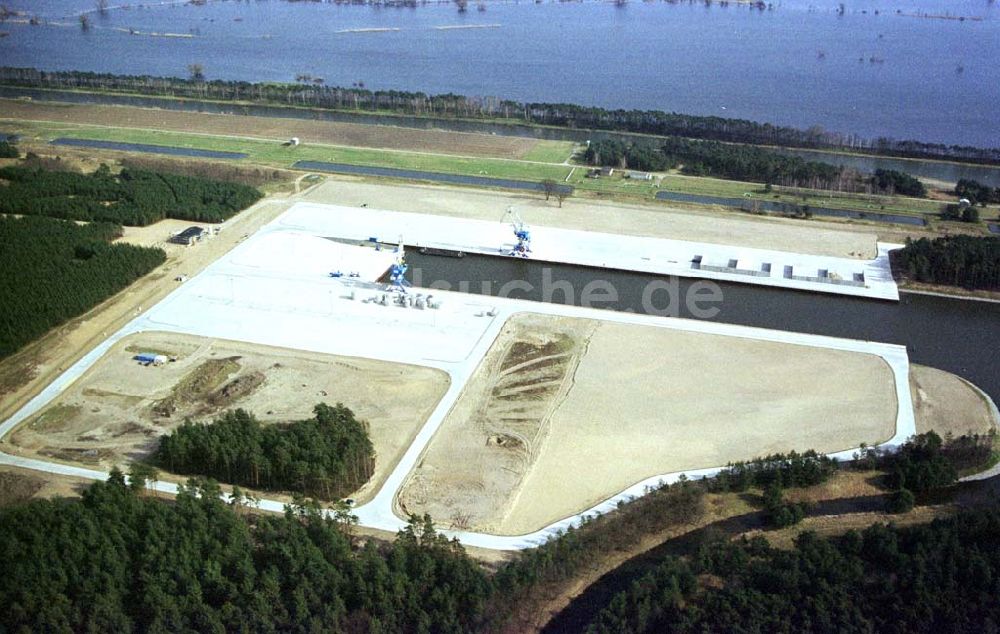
point(547, 160)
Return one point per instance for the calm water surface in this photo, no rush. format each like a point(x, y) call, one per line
point(885, 74)
point(959, 336)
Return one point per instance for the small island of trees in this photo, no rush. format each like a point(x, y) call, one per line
point(326, 457)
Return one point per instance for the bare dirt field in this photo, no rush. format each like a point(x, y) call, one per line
point(658, 221)
point(351, 134)
point(21, 485)
point(478, 458)
point(116, 412)
point(944, 403)
point(563, 413)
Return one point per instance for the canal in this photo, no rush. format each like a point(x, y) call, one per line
point(956, 335)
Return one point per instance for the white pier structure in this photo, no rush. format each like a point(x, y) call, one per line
point(658, 256)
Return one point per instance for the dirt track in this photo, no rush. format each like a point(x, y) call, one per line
point(351, 134)
point(488, 442)
point(116, 412)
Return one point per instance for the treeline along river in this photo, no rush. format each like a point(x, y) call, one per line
point(879, 68)
point(949, 172)
point(957, 335)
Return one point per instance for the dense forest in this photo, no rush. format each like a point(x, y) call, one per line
point(55, 270)
point(617, 153)
point(327, 456)
point(941, 577)
point(132, 197)
point(747, 163)
point(967, 261)
point(492, 108)
point(976, 192)
point(894, 182)
point(121, 561)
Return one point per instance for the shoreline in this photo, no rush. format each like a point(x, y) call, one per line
point(957, 295)
point(508, 123)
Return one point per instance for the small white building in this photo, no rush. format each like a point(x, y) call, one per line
point(639, 176)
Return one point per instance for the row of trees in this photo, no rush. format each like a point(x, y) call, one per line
point(747, 163)
point(119, 561)
point(327, 456)
point(782, 470)
point(895, 182)
point(54, 270)
point(967, 261)
point(941, 577)
point(132, 197)
point(458, 106)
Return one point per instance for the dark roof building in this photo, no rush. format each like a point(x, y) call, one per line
point(189, 236)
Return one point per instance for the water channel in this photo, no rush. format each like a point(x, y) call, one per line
point(957, 335)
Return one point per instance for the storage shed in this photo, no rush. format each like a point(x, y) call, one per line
point(189, 236)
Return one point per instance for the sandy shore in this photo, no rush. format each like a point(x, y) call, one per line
point(946, 404)
point(116, 412)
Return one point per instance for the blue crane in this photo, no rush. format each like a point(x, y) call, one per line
point(523, 245)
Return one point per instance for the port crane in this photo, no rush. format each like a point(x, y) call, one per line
point(397, 272)
point(523, 245)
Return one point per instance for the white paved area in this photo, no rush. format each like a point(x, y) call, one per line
point(275, 289)
point(816, 273)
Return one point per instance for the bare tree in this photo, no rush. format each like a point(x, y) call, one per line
point(562, 194)
point(549, 186)
point(197, 72)
point(84, 22)
point(102, 6)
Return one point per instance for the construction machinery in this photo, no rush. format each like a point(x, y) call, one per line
point(522, 247)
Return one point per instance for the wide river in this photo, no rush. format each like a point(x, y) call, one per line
point(957, 335)
point(902, 69)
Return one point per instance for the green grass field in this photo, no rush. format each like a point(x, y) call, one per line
point(275, 154)
point(550, 152)
point(544, 161)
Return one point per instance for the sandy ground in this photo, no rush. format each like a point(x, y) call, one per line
point(946, 404)
point(605, 216)
point(477, 459)
point(116, 412)
point(351, 134)
point(626, 403)
point(21, 485)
